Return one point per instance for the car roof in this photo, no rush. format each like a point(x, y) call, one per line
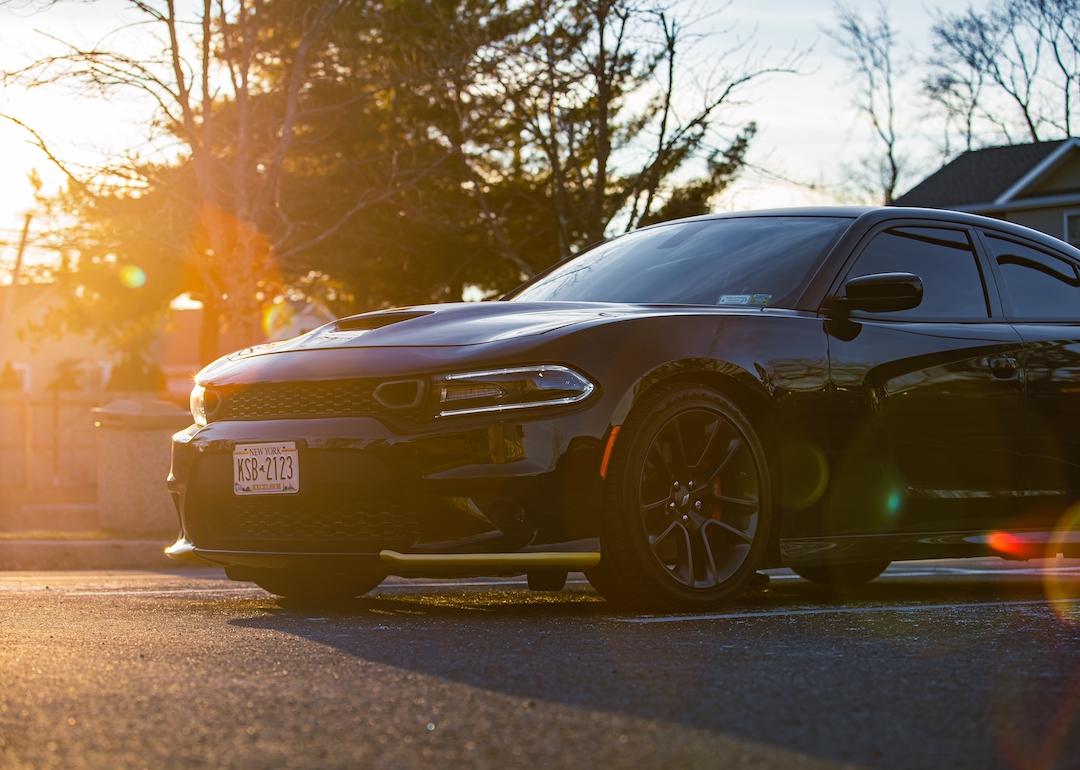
point(871, 215)
point(847, 212)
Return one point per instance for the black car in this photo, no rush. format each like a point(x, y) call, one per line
point(826, 389)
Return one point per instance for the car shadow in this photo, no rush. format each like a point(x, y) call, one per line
point(838, 676)
point(497, 603)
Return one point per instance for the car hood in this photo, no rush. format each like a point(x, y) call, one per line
point(448, 325)
point(427, 330)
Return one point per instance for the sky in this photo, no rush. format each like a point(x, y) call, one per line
point(807, 124)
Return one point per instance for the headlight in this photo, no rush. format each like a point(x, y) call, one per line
point(197, 402)
point(499, 390)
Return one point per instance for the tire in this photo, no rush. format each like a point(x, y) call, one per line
point(546, 581)
point(841, 576)
point(692, 543)
point(314, 586)
point(603, 582)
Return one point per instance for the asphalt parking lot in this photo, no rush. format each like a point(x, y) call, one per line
point(948, 664)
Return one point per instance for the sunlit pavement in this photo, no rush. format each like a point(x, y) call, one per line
point(947, 664)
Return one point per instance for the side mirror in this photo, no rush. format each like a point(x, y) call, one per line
point(880, 293)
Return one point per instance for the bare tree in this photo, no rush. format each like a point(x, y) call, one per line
point(957, 92)
point(1008, 71)
point(584, 61)
point(869, 46)
point(1057, 24)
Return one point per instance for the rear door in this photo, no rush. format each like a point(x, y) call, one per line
point(925, 400)
point(1041, 296)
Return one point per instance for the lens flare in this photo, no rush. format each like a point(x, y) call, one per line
point(1007, 543)
point(1062, 586)
point(807, 474)
point(132, 276)
point(276, 317)
point(893, 502)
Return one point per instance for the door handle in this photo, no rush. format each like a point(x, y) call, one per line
point(1004, 367)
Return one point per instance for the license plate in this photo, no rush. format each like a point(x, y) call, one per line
point(266, 469)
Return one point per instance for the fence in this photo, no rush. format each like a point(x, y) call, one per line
point(47, 439)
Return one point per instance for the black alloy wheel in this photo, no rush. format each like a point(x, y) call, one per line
point(689, 504)
point(699, 498)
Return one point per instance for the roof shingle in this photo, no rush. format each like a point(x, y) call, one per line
point(977, 176)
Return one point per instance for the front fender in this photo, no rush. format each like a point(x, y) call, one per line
point(724, 375)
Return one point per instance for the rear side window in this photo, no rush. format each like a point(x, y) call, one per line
point(1038, 286)
point(945, 261)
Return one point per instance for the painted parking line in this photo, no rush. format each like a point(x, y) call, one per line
point(960, 572)
point(989, 571)
point(796, 612)
point(163, 591)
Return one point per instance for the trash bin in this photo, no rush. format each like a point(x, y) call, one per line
point(133, 461)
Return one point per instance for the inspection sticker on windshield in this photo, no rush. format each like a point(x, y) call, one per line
point(745, 299)
point(266, 469)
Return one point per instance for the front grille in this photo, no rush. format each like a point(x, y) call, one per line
point(291, 523)
point(285, 400)
point(384, 525)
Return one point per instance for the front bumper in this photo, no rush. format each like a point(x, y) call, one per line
point(478, 485)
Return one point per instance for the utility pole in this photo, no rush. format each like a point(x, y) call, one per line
point(9, 305)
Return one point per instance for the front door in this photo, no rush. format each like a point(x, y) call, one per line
point(924, 400)
point(1041, 294)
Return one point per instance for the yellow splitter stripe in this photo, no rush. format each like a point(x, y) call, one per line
point(560, 560)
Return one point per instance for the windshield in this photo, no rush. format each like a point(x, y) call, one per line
point(759, 261)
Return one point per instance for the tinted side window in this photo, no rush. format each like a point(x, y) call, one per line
point(1039, 286)
point(945, 261)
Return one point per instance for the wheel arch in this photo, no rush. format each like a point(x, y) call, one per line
point(745, 389)
point(748, 393)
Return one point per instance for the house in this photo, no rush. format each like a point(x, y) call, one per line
point(1035, 185)
point(39, 361)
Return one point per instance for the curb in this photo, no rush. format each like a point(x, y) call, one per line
point(83, 554)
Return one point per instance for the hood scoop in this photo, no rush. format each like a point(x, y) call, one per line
point(449, 325)
point(369, 321)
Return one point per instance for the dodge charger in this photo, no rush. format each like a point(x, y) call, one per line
point(670, 412)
